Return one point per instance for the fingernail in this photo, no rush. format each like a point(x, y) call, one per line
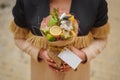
point(61, 67)
point(51, 60)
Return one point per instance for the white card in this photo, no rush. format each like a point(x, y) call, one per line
point(70, 58)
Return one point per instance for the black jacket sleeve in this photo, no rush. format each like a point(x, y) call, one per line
point(19, 15)
point(102, 16)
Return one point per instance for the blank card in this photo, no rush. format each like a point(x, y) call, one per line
point(70, 58)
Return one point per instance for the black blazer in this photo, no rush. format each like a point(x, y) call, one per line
point(89, 13)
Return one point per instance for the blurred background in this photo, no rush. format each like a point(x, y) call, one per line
point(15, 65)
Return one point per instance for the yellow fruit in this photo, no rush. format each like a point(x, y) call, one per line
point(72, 19)
point(55, 31)
point(73, 33)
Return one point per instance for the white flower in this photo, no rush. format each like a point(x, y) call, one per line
point(66, 25)
point(62, 16)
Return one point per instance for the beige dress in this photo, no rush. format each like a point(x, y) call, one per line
point(40, 70)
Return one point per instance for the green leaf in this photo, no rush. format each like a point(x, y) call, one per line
point(52, 22)
point(50, 37)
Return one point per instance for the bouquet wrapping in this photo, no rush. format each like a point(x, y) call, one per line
point(60, 31)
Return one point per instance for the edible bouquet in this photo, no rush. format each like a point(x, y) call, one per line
point(60, 31)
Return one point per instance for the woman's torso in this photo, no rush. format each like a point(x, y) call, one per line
point(85, 11)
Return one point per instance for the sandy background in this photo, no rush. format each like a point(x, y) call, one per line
point(14, 65)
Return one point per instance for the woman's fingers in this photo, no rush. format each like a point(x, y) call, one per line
point(50, 60)
point(65, 68)
point(53, 68)
point(47, 58)
point(74, 49)
point(52, 64)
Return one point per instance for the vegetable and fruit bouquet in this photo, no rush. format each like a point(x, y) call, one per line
point(60, 31)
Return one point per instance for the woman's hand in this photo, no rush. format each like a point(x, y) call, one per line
point(79, 53)
point(43, 54)
point(65, 68)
